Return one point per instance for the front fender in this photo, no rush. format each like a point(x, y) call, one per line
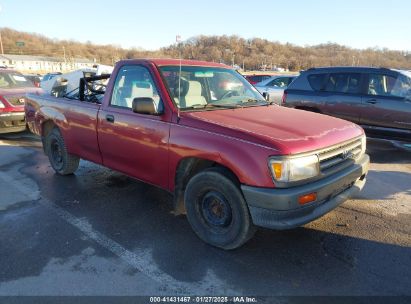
point(248, 161)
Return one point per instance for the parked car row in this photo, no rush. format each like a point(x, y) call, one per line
point(378, 99)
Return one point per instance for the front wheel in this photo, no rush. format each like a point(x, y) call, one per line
point(217, 211)
point(61, 161)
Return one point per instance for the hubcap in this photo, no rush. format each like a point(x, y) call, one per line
point(56, 153)
point(216, 210)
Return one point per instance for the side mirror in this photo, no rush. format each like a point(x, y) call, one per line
point(145, 105)
point(266, 96)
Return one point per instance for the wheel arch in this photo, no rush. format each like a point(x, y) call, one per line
point(186, 169)
point(46, 127)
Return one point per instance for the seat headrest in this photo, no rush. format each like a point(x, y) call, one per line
point(194, 88)
point(142, 89)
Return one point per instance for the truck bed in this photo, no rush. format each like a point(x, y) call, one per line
point(79, 122)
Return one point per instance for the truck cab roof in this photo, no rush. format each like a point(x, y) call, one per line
point(185, 62)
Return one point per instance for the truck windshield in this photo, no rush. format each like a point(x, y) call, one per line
point(200, 87)
point(12, 80)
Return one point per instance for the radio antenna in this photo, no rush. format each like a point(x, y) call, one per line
point(178, 42)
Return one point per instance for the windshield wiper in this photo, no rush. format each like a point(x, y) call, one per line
point(212, 105)
point(254, 101)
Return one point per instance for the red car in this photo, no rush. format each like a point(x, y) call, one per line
point(35, 79)
point(199, 130)
point(253, 79)
point(13, 88)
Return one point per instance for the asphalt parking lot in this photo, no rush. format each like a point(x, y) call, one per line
point(99, 232)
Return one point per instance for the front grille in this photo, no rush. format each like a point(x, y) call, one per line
point(339, 157)
point(12, 123)
point(16, 100)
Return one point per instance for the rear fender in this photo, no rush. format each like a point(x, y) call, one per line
point(47, 114)
point(48, 118)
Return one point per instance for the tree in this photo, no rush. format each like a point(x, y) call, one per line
point(253, 52)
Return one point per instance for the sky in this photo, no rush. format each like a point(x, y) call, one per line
point(151, 24)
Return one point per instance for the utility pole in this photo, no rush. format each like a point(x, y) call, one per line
point(65, 60)
point(229, 51)
point(1, 40)
point(1, 44)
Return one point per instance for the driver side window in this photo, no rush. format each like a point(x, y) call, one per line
point(387, 85)
point(132, 82)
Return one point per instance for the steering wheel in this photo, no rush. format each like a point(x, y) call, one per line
point(229, 93)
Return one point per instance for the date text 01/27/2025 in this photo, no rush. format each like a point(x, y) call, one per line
point(200, 299)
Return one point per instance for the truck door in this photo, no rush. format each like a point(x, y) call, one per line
point(132, 143)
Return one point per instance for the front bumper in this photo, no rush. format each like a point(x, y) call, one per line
point(279, 209)
point(12, 122)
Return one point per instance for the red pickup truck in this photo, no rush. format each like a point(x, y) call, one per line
point(199, 130)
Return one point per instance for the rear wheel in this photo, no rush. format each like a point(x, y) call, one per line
point(61, 161)
point(217, 211)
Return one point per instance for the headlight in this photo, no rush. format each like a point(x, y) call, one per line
point(294, 169)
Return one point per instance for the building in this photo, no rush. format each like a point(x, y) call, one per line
point(43, 64)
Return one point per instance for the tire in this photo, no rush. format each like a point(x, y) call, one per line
point(61, 161)
point(217, 211)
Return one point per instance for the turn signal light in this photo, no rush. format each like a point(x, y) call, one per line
point(307, 198)
point(277, 170)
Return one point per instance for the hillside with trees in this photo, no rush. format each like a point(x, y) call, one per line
point(252, 54)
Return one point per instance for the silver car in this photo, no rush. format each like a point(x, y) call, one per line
point(275, 86)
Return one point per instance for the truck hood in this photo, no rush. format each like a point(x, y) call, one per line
point(287, 130)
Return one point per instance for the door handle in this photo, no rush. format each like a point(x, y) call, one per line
point(372, 101)
point(110, 118)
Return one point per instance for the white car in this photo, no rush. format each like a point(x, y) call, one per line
point(62, 84)
point(275, 86)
